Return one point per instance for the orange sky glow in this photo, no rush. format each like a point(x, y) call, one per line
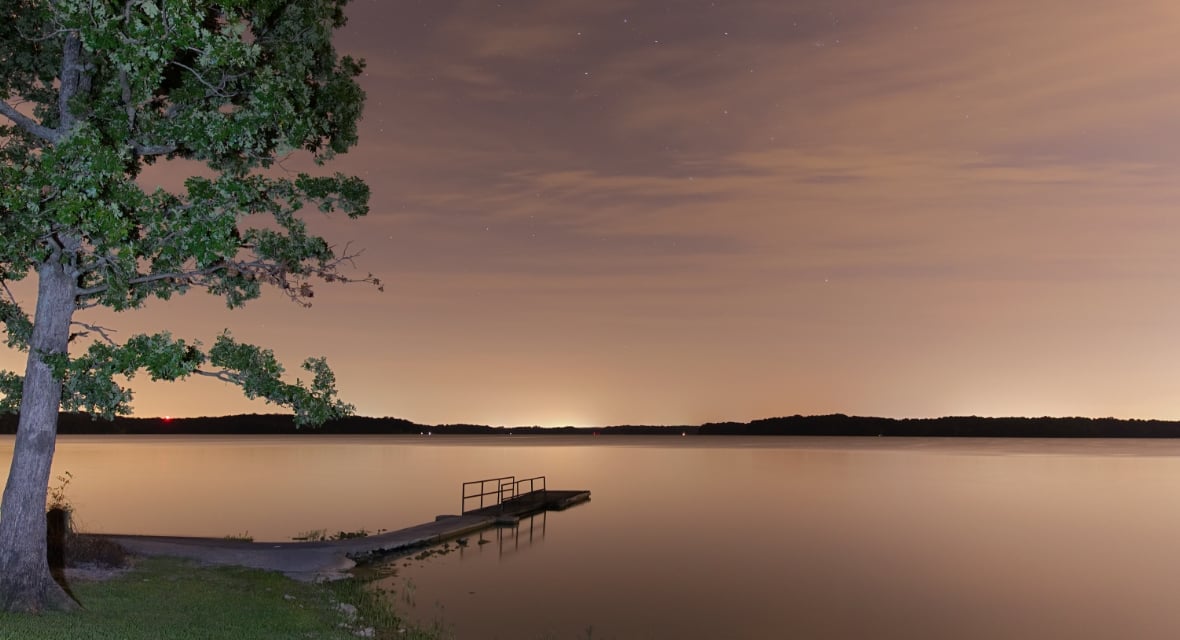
point(623, 211)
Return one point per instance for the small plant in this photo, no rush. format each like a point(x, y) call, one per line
point(57, 493)
point(375, 609)
point(408, 591)
point(65, 547)
point(312, 535)
point(94, 550)
point(348, 535)
point(321, 535)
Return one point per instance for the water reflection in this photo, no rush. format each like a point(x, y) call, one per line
point(512, 539)
point(501, 541)
point(417, 598)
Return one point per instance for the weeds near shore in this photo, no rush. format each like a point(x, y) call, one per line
point(240, 537)
point(64, 546)
point(312, 535)
point(377, 610)
point(321, 535)
point(57, 493)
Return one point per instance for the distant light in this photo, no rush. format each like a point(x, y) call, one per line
point(167, 418)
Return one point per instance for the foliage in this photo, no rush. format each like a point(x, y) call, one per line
point(57, 493)
point(92, 93)
point(164, 598)
point(311, 535)
point(348, 535)
point(321, 535)
point(83, 550)
point(240, 537)
point(376, 610)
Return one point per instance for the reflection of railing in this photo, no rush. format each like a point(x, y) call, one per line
point(496, 491)
point(509, 540)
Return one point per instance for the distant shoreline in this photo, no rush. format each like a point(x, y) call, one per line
point(825, 425)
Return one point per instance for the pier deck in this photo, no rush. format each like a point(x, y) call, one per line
point(329, 559)
point(526, 504)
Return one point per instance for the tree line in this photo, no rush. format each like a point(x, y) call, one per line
point(954, 426)
point(797, 425)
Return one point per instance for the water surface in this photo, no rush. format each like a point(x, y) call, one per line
point(703, 537)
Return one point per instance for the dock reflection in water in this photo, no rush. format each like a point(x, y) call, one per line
point(473, 554)
point(508, 539)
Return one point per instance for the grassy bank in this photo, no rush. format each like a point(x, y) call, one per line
point(166, 599)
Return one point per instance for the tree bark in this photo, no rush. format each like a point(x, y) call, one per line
point(25, 581)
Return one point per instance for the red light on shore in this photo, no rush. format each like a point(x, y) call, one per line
point(167, 418)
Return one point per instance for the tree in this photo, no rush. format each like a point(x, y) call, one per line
point(93, 92)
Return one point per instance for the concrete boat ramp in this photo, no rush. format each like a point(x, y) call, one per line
point(330, 559)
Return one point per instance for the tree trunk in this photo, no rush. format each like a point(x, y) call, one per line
point(25, 581)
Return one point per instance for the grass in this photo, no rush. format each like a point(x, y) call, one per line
point(168, 599)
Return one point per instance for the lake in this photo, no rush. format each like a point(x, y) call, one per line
point(701, 537)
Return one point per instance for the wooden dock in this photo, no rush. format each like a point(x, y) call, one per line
point(330, 559)
point(510, 511)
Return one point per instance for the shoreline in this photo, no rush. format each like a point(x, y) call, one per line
point(303, 561)
point(797, 425)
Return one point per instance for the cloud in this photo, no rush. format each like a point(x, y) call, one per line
point(828, 189)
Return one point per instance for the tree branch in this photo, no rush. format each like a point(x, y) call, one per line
point(128, 107)
point(222, 375)
point(8, 292)
point(72, 81)
point(214, 89)
point(294, 285)
point(28, 124)
point(104, 332)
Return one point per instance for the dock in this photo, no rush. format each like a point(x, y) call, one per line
point(527, 504)
point(508, 500)
point(502, 502)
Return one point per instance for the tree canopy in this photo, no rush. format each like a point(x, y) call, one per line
point(97, 90)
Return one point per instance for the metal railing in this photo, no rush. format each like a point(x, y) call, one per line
point(496, 491)
point(532, 482)
point(479, 489)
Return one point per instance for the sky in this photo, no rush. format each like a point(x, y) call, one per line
point(599, 212)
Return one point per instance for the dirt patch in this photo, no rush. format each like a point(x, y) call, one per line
point(91, 572)
point(86, 558)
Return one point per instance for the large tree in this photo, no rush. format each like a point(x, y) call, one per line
point(92, 92)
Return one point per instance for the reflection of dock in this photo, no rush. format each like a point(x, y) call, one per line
point(508, 540)
point(505, 505)
point(508, 501)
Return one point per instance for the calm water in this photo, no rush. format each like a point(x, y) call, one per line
point(703, 537)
